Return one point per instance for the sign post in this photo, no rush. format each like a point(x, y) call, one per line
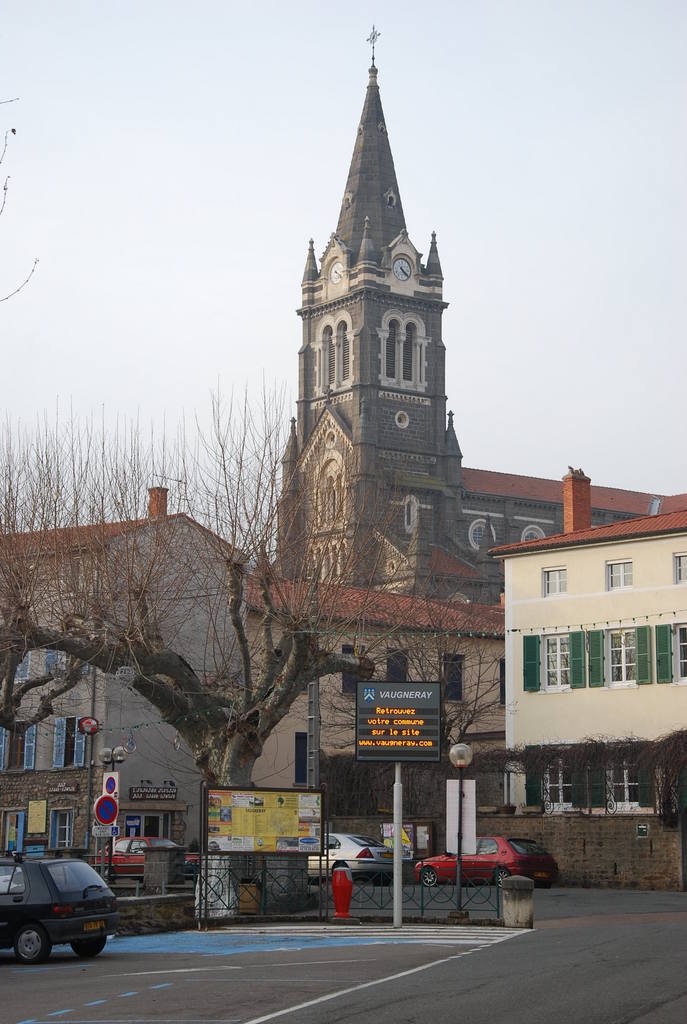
point(399, 722)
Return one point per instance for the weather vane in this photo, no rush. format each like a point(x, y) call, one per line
point(372, 39)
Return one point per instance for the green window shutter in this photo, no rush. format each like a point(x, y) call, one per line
point(598, 787)
point(577, 675)
point(579, 789)
point(530, 662)
point(664, 653)
point(533, 790)
point(596, 657)
point(643, 648)
point(645, 788)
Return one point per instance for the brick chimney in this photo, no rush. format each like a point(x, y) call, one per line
point(577, 501)
point(157, 502)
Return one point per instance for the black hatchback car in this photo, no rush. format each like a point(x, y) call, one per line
point(48, 902)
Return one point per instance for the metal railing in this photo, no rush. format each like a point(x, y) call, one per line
point(225, 889)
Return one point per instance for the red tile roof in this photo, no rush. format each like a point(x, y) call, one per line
point(611, 499)
point(626, 529)
point(341, 604)
point(444, 564)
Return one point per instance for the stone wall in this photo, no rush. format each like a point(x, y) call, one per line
point(591, 850)
point(143, 915)
point(601, 850)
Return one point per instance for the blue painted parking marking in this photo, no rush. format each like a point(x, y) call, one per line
point(126, 995)
point(235, 942)
point(96, 1002)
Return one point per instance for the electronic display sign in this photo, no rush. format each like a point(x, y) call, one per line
point(398, 721)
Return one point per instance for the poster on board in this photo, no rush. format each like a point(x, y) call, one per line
point(264, 821)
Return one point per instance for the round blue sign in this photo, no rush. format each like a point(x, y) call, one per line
point(106, 810)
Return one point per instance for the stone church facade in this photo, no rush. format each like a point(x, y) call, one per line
point(374, 483)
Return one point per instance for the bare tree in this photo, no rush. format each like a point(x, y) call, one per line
point(9, 133)
point(186, 607)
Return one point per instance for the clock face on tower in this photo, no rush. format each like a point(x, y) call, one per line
point(402, 268)
point(336, 272)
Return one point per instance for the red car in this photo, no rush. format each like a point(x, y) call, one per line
point(128, 855)
point(495, 856)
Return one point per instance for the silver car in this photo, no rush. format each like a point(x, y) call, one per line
point(367, 858)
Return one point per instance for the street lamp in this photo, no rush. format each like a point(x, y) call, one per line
point(460, 756)
point(111, 756)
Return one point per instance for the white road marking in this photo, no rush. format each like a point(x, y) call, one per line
point(177, 970)
point(353, 988)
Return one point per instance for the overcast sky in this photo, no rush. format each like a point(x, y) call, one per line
point(172, 160)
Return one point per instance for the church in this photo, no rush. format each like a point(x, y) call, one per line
point(373, 479)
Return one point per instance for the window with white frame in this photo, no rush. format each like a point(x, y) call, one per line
point(623, 655)
point(554, 581)
point(557, 656)
point(476, 532)
point(410, 513)
point(532, 533)
point(623, 782)
point(558, 787)
point(618, 575)
point(682, 652)
point(680, 568)
point(60, 829)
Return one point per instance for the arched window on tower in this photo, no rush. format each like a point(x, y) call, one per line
point(326, 359)
point(391, 350)
point(331, 358)
point(345, 349)
point(408, 347)
point(330, 499)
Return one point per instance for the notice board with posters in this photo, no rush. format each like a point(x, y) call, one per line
point(398, 721)
point(263, 821)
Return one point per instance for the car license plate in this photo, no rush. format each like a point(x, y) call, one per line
point(93, 926)
point(541, 874)
point(389, 854)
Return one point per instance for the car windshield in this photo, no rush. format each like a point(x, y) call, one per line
point(73, 875)
point(527, 846)
point(165, 844)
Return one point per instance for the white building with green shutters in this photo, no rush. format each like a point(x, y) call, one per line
point(596, 649)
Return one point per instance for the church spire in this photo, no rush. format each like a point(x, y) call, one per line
point(371, 189)
point(433, 263)
point(311, 272)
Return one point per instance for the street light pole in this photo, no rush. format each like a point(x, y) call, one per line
point(460, 756)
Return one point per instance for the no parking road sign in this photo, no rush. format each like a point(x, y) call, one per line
point(106, 809)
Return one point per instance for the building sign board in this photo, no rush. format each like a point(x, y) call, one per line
point(398, 721)
point(152, 793)
point(280, 821)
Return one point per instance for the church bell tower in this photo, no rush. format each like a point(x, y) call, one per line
point(372, 420)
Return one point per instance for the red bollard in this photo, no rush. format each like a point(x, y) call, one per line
point(342, 890)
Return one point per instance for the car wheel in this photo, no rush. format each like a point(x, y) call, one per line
point(31, 944)
point(429, 877)
point(89, 947)
point(502, 873)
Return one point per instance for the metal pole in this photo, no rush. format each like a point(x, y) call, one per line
point(459, 841)
point(398, 847)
